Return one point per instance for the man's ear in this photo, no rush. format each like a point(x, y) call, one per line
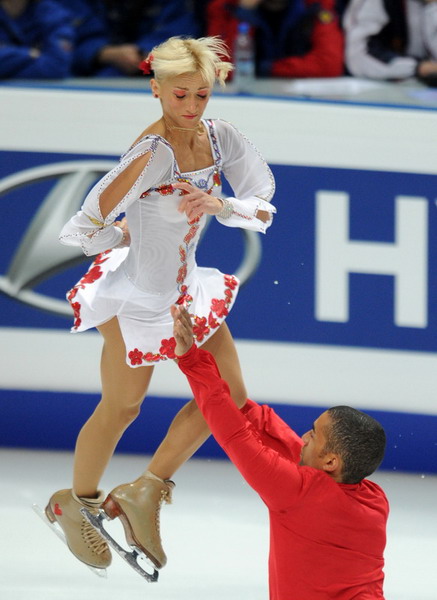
point(332, 465)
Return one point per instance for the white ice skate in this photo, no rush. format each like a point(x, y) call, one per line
point(60, 534)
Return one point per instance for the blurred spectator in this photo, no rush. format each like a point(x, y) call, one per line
point(340, 6)
point(388, 39)
point(35, 40)
point(293, 38)
point(112, 37)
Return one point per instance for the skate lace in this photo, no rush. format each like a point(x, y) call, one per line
point(92, 538)
point(165, 497)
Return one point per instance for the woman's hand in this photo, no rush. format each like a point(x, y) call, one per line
point(125, 240)
point(194, 202)
point(182, 329)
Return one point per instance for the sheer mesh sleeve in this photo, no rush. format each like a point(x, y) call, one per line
point(250, 178)
point(95, 233)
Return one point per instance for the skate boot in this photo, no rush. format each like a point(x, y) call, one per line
point(82, 539)
point(138, 505)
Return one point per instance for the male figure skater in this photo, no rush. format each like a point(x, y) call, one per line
point(327, 522)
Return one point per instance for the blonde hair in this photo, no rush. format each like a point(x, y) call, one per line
point(179, 55)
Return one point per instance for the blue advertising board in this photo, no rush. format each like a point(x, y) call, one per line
point(337, 303)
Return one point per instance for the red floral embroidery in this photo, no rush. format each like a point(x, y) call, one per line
point(144, 194)
point(195, 221)
point(136, 357)
point(101, 258)
point(200, 328)
point(93, 274)
point(230, 282)
point(76, 313)
point(182, 273)
point(212, 321)
point(76, 308)
point(150, 357)
point(219, 307)
point(165, 190)
point(191, 234)
point(71, 294)
point(168, 347)
point(184, 299)
point(182, 254)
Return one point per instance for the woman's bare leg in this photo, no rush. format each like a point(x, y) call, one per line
point(123, 390)
point(189, 431)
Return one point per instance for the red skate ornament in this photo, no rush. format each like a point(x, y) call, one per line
point(60, 534)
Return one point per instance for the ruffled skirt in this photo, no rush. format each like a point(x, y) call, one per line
point(145, 321)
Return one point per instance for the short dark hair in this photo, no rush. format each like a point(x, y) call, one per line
point(358, 439)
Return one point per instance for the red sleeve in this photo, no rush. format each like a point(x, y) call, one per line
point(326, 57)
point(244, 438)
point(274, 432)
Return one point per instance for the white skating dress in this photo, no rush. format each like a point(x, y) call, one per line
point(139, 284)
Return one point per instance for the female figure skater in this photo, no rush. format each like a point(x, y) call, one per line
point(166, 184)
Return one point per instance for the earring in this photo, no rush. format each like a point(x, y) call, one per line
point(155, 95)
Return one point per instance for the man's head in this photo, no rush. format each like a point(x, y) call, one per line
point(346, 443)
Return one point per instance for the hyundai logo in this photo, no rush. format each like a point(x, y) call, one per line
point(39, 255)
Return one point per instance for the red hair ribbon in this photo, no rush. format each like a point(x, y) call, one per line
point(146, 65)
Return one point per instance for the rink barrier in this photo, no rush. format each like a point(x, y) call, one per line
point(51, 421)
point(341, 309)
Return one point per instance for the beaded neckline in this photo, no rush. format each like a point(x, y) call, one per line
point(212, 136)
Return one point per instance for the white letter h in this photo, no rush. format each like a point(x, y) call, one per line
point(405, 259)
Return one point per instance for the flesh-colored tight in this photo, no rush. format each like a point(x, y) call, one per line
point(123, 391)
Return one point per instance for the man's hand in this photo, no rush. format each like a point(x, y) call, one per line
point(182, 329)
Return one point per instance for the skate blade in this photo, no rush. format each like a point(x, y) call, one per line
point(130, 557)
point(60, 534)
